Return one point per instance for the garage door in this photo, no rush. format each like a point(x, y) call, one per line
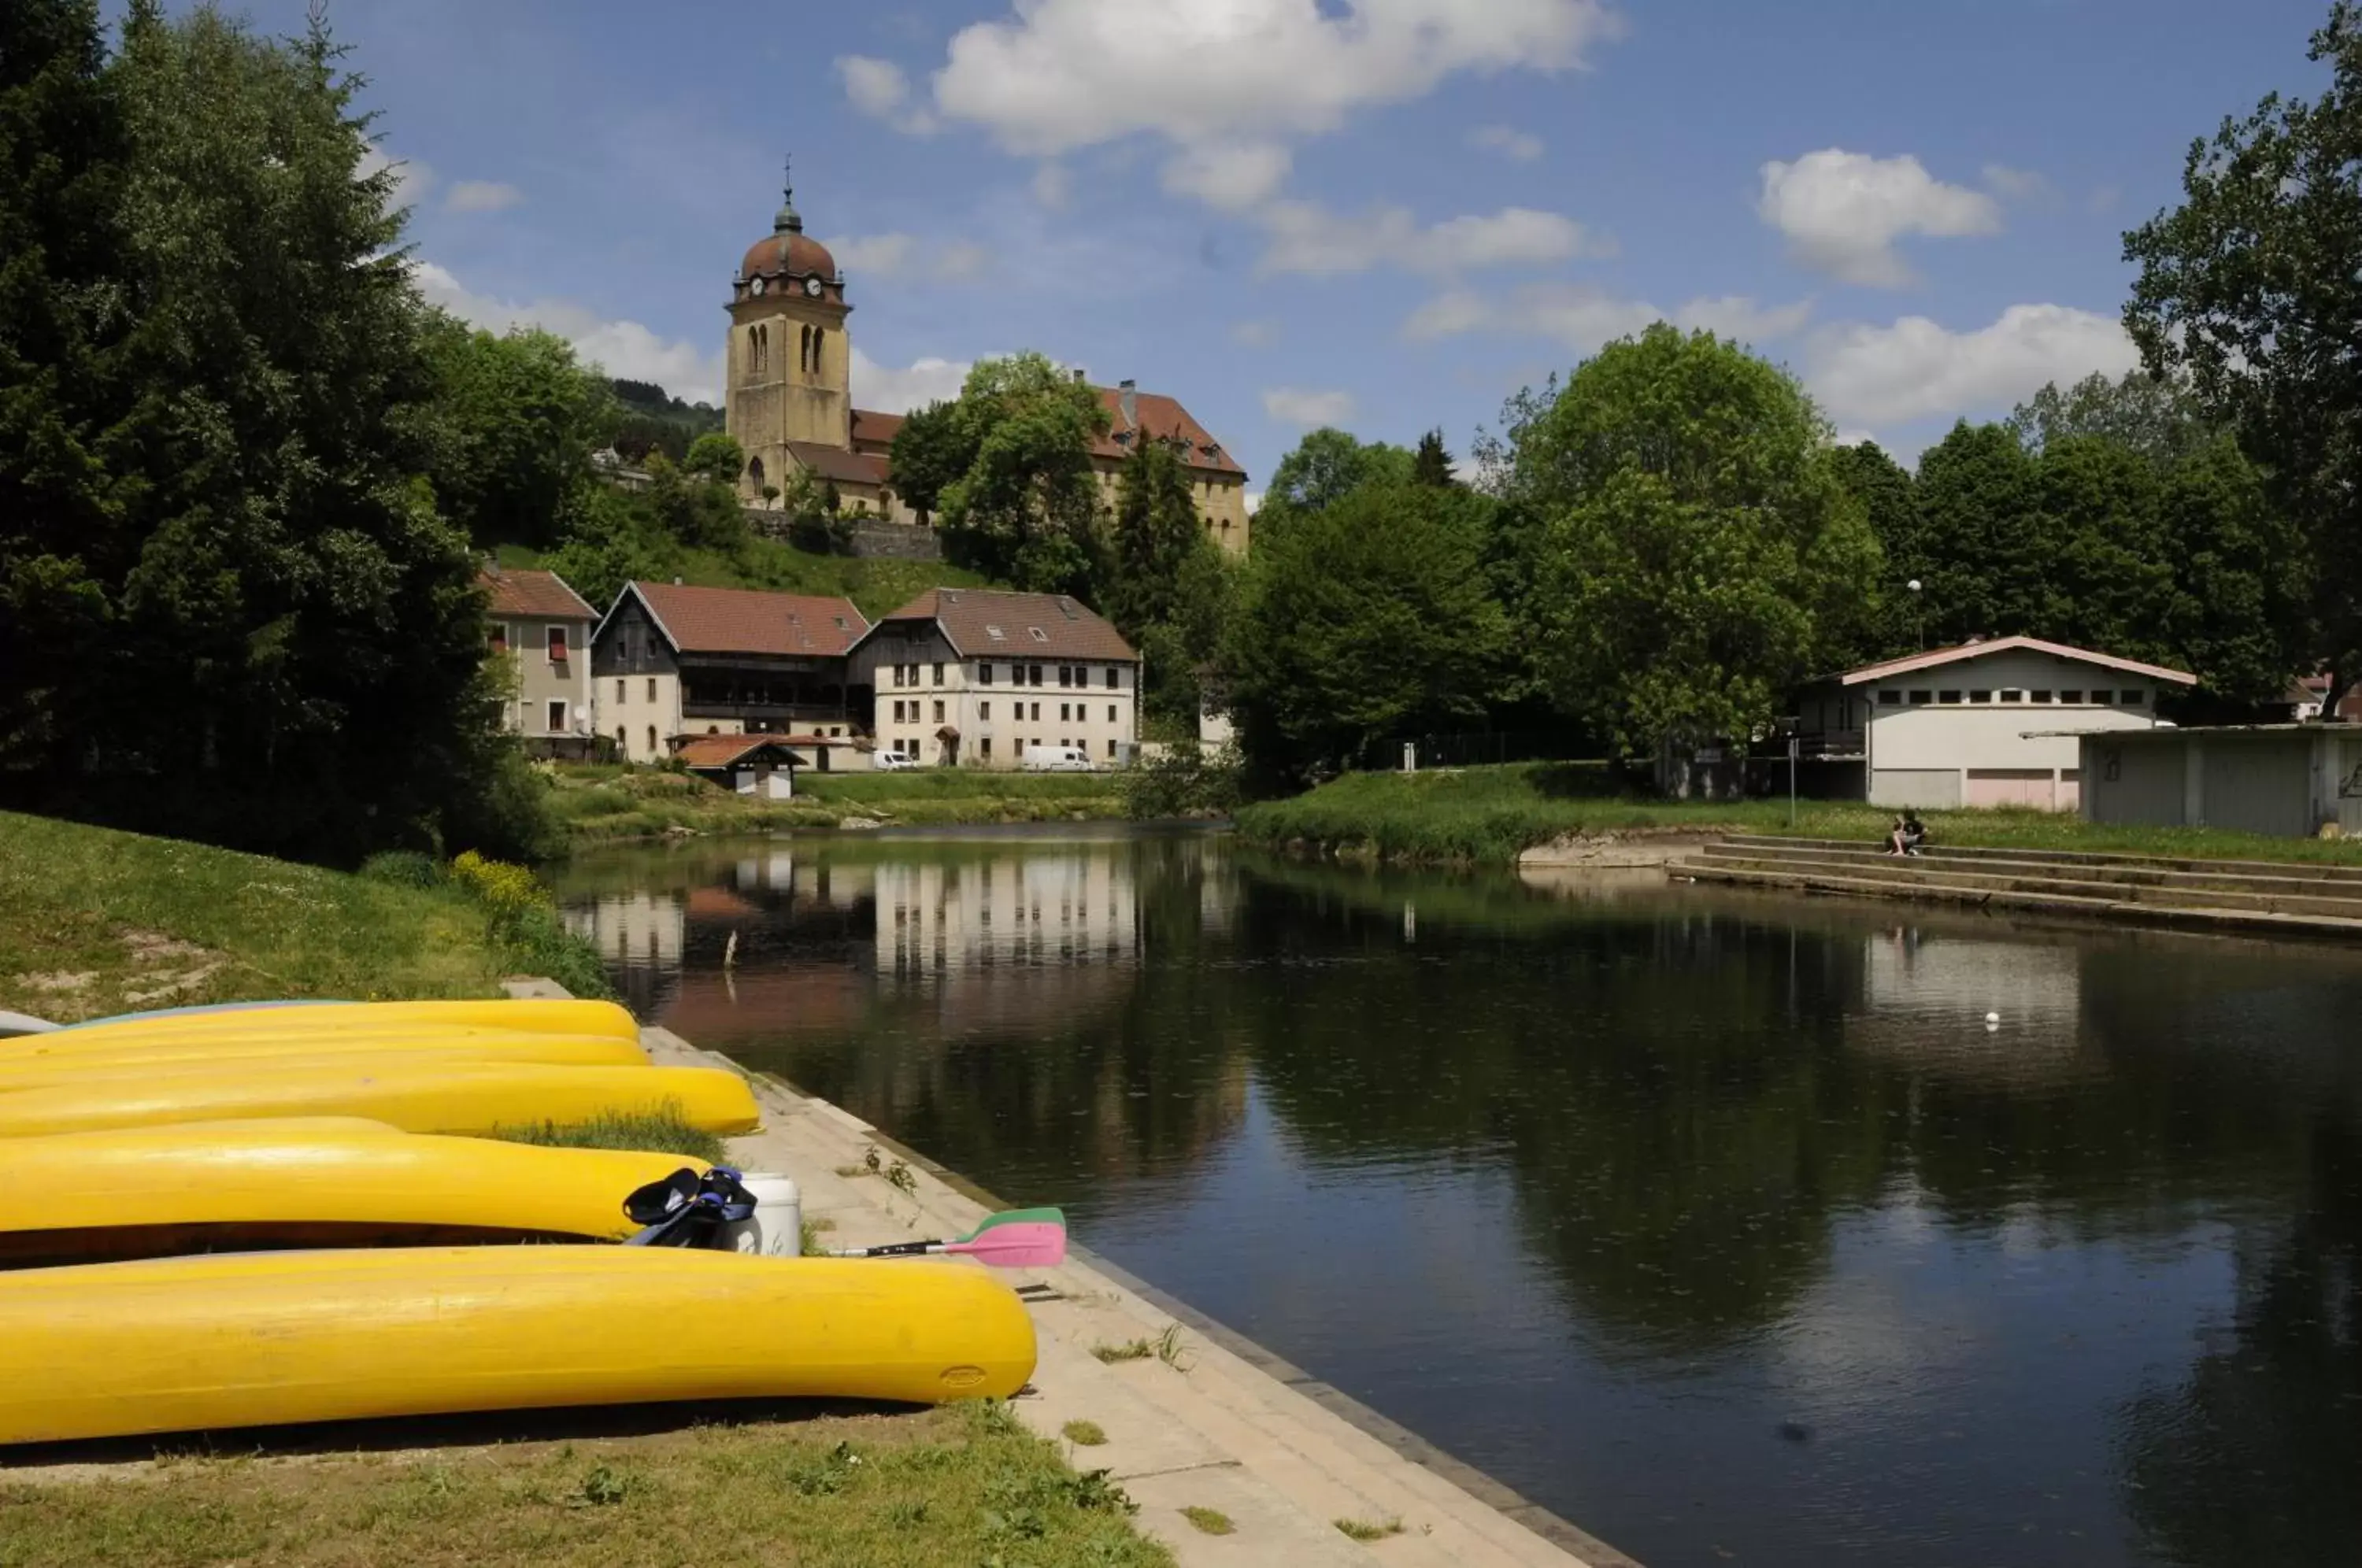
point(2012, 787)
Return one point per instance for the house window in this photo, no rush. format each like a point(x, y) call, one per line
point(557, 645)
point(898, 674)
point(2042, 696)
point(939, 712)
point(651, 688)
point(984, 673)
point(1889, 699)
point(1110, 745)
point(621, 686)
point(939, 672)
point(2012, 694)
point(652, 741)
point(1062, 714)
point(623, 739)
point(1114, 678)
point(1980, 696)
point(2103, 698)
point(1036, 678)
point(1921, 699)
point(500, 637)
point(2071, 696)
point(556, 717)
point(984, 711)
point(1110, 712)
point(1037, 709)
point(996, 634)
point(1039, 635)
point(984, 747)
point(2133, 699)
point(1950, 697)
point(1066, 675)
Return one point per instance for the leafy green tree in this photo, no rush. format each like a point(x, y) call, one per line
point(2156, 416)
point(935, 447)
point(1026, 511)
point(612, 537)
point(1367, 620)
point(515, 420)
point(1702, 555)
point(715, 457)
point(1890, 503)
point(1156, 530)
point(2250, 289)
point(1985, 560)
point(2240, 578)
point(693, 508)
point(1324, 467)
point(1431, 464)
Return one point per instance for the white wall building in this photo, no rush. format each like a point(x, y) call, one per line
point(2292, 780)
point(975, 676)
point(1988, 724)
point(541, 628)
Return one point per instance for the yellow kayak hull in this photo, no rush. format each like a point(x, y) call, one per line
point(474, 1098)
point(267, 1339)
point(232, 1057)
point(68, 1045)
point(566, 1016)
point(155, 1191)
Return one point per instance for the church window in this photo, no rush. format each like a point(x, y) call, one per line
point(754, 470)
point(804, 350)
point(820, 336)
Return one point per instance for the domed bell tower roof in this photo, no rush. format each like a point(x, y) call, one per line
point(787, 253)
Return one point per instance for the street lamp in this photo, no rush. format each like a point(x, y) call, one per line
point(1918, 613)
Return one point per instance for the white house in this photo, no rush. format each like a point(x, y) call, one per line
point(1986, 724)
point(974, 676)
point(541, 627)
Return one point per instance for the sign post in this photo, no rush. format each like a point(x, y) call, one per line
point(1795, 743)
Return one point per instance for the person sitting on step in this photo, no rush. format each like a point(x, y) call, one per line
point(1907, 835)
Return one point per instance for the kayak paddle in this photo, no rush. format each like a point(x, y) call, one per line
point(1016, 1238)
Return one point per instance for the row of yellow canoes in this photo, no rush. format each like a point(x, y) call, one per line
point(347, 1129)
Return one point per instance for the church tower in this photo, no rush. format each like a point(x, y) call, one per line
point(790, 364)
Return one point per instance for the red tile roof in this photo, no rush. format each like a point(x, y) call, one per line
point(721, 751)
point(1029, 625)
point(836, 463)
point(1936, 657)
point(744, 621)
point(875, 429)
point(535, 595)
point(1157, 415)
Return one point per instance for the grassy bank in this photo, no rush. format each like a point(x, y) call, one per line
point(601, 802)
point(1488, 815)
point(963, 1484)
point(95, 921)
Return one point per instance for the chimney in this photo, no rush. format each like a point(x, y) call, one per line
point(1082, 377)
point(675, 582)
point(1131, 401)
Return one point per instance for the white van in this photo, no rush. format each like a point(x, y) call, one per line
point(889, 760)
point(1057, 759)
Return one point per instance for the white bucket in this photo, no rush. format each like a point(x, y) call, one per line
point(776, 1229)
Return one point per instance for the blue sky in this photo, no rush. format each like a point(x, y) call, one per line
point(1382, 213)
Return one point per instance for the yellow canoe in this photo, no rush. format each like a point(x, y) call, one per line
point(567, 1016)
point(231, 1055)
point(324, 1181)
point(417, 1097)
point(262, 1339)
point(68, 1045)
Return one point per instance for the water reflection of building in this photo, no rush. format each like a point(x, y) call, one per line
point(943, 919)
point(635, 930)
point(1923, 1000)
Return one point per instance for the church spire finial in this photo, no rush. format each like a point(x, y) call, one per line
point(789, 221)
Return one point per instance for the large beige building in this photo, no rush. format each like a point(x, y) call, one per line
point(975, 676)
point(789, 400)
point(541, 628)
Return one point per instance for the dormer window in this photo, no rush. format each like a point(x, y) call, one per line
point(1039, 635)
point(995, 633)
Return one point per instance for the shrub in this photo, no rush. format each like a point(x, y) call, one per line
point(1186, 780)
point(404, 869)
point(508, 893)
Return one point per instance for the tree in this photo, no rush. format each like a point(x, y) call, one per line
point(1026, 509)
point(2250, 289)
point(273, 579)
point(1431, 465)
point(515, 419)
point(1985, 556)
point(2156, 416)
point(1368, 620)
point(1169, 590)
point(1890, 504)
point(1325, 467)
point(1702, 555)
point(716, 457)
point(934, 447)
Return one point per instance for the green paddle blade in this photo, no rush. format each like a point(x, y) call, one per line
point(1045, 1216)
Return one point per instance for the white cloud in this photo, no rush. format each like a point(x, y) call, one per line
point(1255, 334)
point(1292, 405)
point(2018, 184)
point(1053, 187)
point(1507, 140)
point(890, 391)
point(878, 89)
point(412, 179)
point(1313, 240)
point(1842, 211)
point(1916, 368)
point(620, 347)
point(1254, 502)
point(1582, 317)
point(897, 255)
point(1063, 74)
point(1231, 176)
point(481, 196)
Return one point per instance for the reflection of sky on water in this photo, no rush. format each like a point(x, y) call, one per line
point(1723, 1226)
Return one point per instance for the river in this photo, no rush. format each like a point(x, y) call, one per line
point(1725, 1226)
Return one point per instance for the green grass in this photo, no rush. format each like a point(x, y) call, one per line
point(1366, 1530)
point(1488, 815)
point(1208, 1522)
point(666, 1134)
point(604, 801)
point(876, 587)
point(1129, 1349)
point(1084, 1434)
point(95, 921)
point(963, 1484)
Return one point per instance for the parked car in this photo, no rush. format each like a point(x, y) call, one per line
point(1057, 759)
point(889, 759)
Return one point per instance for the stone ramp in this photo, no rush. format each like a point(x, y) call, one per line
point(1215, 1422)
point(2266, 898)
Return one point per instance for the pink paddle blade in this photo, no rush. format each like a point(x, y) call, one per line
point(1033, 1244)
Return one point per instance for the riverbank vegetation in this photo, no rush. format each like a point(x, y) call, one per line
point(93, 920)
point(603, 803)
point(1488, 816)
point(965, 1484)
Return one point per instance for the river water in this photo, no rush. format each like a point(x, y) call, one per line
point(1723, 1226)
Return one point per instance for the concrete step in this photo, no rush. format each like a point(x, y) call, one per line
point(2301, 870)
point(2186, 917)
point(2286, 894)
